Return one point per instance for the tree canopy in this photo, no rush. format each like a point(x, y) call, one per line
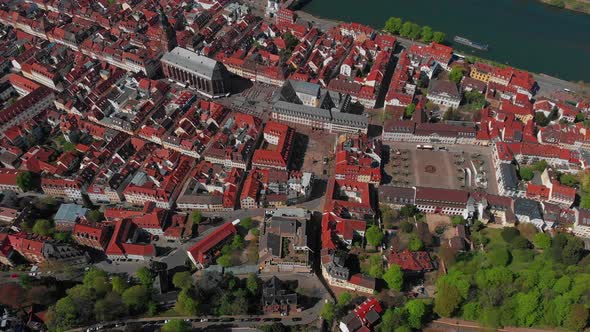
point(43, 227)
point(501, 285)
point(394, 277)
point(182, 280)
point(415, 243)
point(145, 276)
point(456, 74)
point(24, 181)
point(136, 298)
point(196, 217)
point(393, 25)
point(374, 235)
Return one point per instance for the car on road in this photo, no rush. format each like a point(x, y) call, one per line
point(296, 319)
point(14, 275)
point(227, 319)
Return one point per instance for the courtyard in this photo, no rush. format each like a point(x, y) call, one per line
point(450, 167)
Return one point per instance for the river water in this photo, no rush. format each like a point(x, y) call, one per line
point(522, 33)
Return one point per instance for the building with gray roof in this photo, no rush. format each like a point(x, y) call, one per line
point(67, 215)
point(206, 75)
point(284, 243)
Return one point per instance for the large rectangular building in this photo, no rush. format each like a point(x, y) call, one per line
point(206, 75)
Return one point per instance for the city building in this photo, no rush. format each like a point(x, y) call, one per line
point(207, 76)
point(443, 201)
point(444, 93)
point(8, 180)
point(205, 251)
point(363, 318)
point(283, 244)
point(277, 298)
point(411, 261)
point(93, 235)
point(67, 215)
point(124, 244)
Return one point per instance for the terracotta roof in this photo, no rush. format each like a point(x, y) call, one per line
point(200, 249)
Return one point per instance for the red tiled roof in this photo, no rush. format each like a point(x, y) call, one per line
point(200, 249)
point(418, 261)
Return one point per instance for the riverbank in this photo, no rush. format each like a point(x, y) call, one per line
point(582, 6)
point(523, 34)
point(548, 84)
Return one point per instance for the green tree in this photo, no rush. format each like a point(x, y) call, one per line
point(393, 317)
point(24, 181)
point(446, 299)
point(415, 243)
point(416, 312)
point(186, 304)
point(393, 25)
point(43, 227)
point(394, 277)
point(427, 34)
point(176, 325)
point(109, 308)
point(408, 211)
point(224, 260)
point(415, 31)
point(247, 223)
point(406, 29)
point(562, 285)
point(182, 280)
point(499, 257)
point(409, 111)
point(375, 266)
point(580, 117)
point(542, 240)
point(568, 179)
point(145, 276)
point(577, 319)
point(541, 119)
point(119, 285)
point(196, 217)
point(572, 251)
point(470, 311)
point(457, 220)
point(585, 202)
point(374, 235)
point(438, 37)
point(456, 74)
point(528, 310)
point(252, 284)
point(64, 314)
point(136, 298)
point(237, 242)
point(95, 215)
point(328, 312)
point(475, 100)
point(344, 299)
point(539, 166)
point(509, 234)
point(62, 236)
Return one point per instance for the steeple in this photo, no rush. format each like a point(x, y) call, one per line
point(168, 37)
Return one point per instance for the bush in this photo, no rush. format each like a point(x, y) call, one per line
point(542, 241)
